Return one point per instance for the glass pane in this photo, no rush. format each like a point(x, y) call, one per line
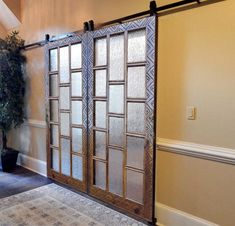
point(116, 99)
point(100, 52)
point(100, 114)
point(65, 156)
point(64, 64)
point(53, 60)
point(134, 187)
point(76, 84)
point(100, 144)
point(54, 135)
point(64, 124)
point(76, 56)
point(55, 160)
point(64, 98)
point(136, 82)
point(135, 152)
point(136, 117)
point(77, 112)
point(117, 57)
point(100, 83)
point(53, 92)
point(116, 131)
point(77, 140)
point(115, 171)
point(77, 167)
point(54, 110)
point(100, 174)
point(136, 46)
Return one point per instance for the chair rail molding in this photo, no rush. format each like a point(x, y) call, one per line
point(35, 123)
point(214, 153)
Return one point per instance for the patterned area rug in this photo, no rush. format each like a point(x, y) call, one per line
point(56, 206)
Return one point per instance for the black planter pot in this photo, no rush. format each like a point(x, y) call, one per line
point(9, 159)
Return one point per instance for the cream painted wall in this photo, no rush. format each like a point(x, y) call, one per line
point(3, 31)
point(196, 68)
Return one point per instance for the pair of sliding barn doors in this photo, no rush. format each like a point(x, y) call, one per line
point(101, 114)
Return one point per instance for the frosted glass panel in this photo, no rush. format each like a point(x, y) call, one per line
point(100, 174)
point(136, 82)
point(100, 52)
point(116, 99)
point(54, 135)
point(117, 57)
point(77, 112)
point(136, 117)
point(100, 83)
point(64, 98)
point(77, 140)
point(115, 171)
point(136, 46)
point(134, 190)
point(53, 60)
point(77, 167)
point(65, 156)
point(100, 114)
point(135, 152)
point(100, 144)
point(76, 56)
point(55, 160)
point(64, 64)
point(116, 131)
point(76, 84)
point(64, 124)
point(53, 92)
point(54, 110)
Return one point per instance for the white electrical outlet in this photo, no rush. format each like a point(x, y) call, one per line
point(191, 113)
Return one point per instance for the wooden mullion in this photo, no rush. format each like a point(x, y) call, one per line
point(137, 64)
point(74, 70)
point(98, 159)
point(102, 67)
point(125, 113)
point(107, 111)
point(116, 147)
point(140, 135)
point(116, 82)
point(74, 98)
point(136, 100)
point(134, 169)
point(99, 129)
point(116, 115)
point(99, 98)
point(59, 118)
point(70, 115)
point(78, 154)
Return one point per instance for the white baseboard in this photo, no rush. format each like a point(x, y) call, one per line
point(168, 216)
point(32, 164)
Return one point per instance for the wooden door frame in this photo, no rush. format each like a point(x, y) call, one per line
point(79, 38)
point(147, 210)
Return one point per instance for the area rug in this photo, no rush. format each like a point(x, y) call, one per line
point(53, 205)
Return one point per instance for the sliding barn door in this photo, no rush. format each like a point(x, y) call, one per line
point(67, 111)
point(101, 114)
point(121, 73)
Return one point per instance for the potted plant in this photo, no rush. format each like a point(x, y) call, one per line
point(12, 89)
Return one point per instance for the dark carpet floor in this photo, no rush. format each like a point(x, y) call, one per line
point(20, 180)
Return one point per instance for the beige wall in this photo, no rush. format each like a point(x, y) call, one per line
point(3, 31)
point(196, 68)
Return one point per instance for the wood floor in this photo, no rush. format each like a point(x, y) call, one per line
point(20, 180)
